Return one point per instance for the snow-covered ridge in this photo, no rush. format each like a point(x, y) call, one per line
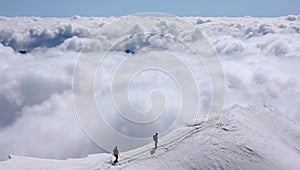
point(254, 137)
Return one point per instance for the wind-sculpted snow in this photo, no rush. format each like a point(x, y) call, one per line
point(260, 58)
point(255, 137)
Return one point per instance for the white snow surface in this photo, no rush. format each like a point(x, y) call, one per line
point(254, 137)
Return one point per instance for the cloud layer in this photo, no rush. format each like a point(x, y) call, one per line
point(260, 58)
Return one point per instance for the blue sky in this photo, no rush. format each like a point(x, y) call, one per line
point(60, 8)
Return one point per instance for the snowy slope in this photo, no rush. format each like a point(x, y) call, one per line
point(254, 137)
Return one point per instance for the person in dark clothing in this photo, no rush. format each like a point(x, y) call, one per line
point(116, 154)
point(155, 139)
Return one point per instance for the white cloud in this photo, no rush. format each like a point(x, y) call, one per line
point(260, 57)
point(49, 130)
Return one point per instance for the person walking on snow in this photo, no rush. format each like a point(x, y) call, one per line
point(155, 139)
point(116, 154)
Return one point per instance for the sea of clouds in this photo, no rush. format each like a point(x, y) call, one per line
point(260, 59)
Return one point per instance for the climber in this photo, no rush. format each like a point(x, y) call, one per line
point(155, 139)
point(116, 154)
